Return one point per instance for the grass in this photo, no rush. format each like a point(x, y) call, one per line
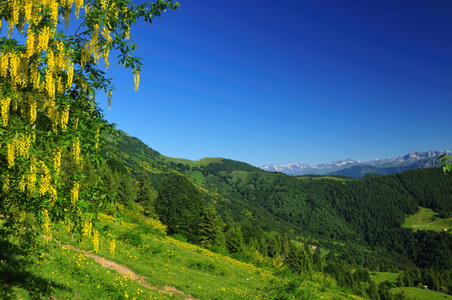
point(333, 178)
point(414, 293)
point(194, 163)
point(168, 265)
point(426, 219)
point(196, 175)
point(380, 277)
point(421, 294)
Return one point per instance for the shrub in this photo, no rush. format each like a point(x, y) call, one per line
point(131, 237)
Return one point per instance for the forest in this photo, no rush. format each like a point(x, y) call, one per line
point(226, 204)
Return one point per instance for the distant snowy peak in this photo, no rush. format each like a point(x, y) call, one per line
point(296, 168)
point(300, 169)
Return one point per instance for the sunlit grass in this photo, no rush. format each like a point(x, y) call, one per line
point(162, 268)
point(421, 294)
point(426, 219)
point(380, 277)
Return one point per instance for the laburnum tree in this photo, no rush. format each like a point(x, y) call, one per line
point(50, 122)
point(446, 161)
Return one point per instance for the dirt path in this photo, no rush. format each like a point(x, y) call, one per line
point(123, 270)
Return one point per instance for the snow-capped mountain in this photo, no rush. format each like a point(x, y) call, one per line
point(321, 169)
point(296, 169)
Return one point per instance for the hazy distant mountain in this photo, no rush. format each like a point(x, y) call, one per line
point(301, 169)
point(356, 168)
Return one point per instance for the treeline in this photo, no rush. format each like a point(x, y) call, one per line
point(367, 211)
point(262, 208)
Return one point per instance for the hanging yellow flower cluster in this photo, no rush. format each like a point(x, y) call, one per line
point(32, 175)
point(76, 152)
point(112, 247)
point(87, 229)
point(57, 160)
point(45, 56)
point(95, 240)
point(74, 193)
point(47, 226)
point(19, 146)
point(49, 120)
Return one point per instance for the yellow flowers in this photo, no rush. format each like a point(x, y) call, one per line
point(46, 226)
point(96, 138)
point(43, 39)
point(18, 146)
point(136, 79)
point(32, 175)
point(96, 240)
point(30, 45)
point(76, 151)
point(48, 85)
point(74, 193)
point(5, 110)
point(78, 5)
point(33, 112)
point(69, 225)
point(65, 118)
point(112, 247)
point(57, 160)
point(10, 155)
point(70, 76)
point(87, 229)
point(45, 179)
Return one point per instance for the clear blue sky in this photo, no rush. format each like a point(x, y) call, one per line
point(292, 81)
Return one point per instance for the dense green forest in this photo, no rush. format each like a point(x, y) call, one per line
point(234, 206)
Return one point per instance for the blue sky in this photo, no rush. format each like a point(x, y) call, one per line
point(292, 81)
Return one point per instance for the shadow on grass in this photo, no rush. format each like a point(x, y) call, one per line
point(15, 273)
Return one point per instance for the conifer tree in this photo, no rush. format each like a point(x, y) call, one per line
point(179, 205)
point(317, 260)
point(298, 260)
point(372, 291)
point(146, 194)
point(273, 246)
point(211, 229)
point(234, 239)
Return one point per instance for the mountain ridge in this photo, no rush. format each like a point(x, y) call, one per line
point(334, 167)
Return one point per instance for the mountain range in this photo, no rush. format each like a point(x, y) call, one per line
point(357, 168)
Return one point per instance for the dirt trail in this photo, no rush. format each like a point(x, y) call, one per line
point(123, 270)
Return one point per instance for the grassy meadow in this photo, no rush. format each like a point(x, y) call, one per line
point(421, 294)
point(136, 260)
point(426, 219)
point(380, 277)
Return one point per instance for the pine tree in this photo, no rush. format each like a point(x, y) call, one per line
point(298, 260)
point(273, 246)
point(146, 194)
point(211, 229)
point(372, 291)
point(317, 260)
point(179, 206)
point(234, 239)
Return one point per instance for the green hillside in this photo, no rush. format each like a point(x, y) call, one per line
point(136, 260)
point(250, 233)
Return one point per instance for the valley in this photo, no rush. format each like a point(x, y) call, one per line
point(223, 229)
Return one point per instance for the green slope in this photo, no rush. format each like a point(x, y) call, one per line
point(363, 213)
point(144, 264)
